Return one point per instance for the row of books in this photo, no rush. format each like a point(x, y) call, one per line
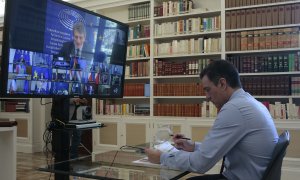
point(188, 46)
point(138, 50)
point(14, 106)
point(295, 86)
point(137, 89)
point(169, 8)
point(190, 67)
point(267, 85)
point(238, 3)
point(104, 108)
point(181, 110)
point(280, 110)
point(206, 109)
point(264, 16)
point(139, 31)
point(284, 62)
point(188, 26)
point(178, 89)
point(137, 69)
point(263, 39)
point(139, 11)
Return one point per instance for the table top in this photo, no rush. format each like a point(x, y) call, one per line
point(113, 165)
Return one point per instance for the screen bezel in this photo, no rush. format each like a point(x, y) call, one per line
point(5, 55)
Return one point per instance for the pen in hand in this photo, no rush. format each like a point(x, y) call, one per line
point(181, 137)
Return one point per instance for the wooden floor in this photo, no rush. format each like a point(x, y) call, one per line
point(27, 165)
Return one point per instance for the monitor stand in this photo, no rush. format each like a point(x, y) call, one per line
point(60, 136)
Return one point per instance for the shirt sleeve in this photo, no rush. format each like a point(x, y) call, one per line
point(227, 130)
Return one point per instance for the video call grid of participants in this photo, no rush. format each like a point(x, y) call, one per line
point(39, 73)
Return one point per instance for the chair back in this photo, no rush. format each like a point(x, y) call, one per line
point(273, 171)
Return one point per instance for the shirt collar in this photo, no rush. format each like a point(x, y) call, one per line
point(236, 93)
point(80, 49)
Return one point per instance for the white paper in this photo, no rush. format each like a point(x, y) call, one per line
point(144, 161)
point(166, 147)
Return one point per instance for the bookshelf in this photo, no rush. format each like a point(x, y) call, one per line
point(212, 13)
point(271, 30)
point(121, 127)
point(14, 106)
point(31, 118)
point(282, 41)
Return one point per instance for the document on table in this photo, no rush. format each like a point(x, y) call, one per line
point(145, 162)
point(163, 147)
point(166, 147)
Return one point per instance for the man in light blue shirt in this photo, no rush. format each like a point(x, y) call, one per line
point(243, 132)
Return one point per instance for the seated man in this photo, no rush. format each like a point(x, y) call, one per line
point(243, 132)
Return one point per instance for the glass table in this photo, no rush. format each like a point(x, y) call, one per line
point(113, 165)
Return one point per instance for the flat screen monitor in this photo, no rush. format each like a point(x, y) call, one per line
point(53, 48)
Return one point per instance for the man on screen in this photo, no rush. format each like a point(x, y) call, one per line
point(78, 48)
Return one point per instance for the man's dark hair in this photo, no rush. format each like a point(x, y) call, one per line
point(79, 27)
point(217, 69)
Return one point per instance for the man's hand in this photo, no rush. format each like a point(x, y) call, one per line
point(183, 144)
point(153, 155)
point(80, 101)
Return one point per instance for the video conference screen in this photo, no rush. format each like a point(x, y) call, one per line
point(52, 48)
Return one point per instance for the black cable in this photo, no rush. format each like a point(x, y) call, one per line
point(122, 148)
point(50, 176)
point(47, 138)
point(45, 103)
point(111, 164)
point(139, 149)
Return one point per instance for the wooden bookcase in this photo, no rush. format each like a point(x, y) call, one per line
point(121, 127)
point(262, 41)
point(31, 122)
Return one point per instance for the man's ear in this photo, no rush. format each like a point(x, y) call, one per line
point(223, 83)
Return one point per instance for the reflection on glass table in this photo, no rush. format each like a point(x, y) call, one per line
point(113, 165)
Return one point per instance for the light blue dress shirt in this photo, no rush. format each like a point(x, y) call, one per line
point(243, 131)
